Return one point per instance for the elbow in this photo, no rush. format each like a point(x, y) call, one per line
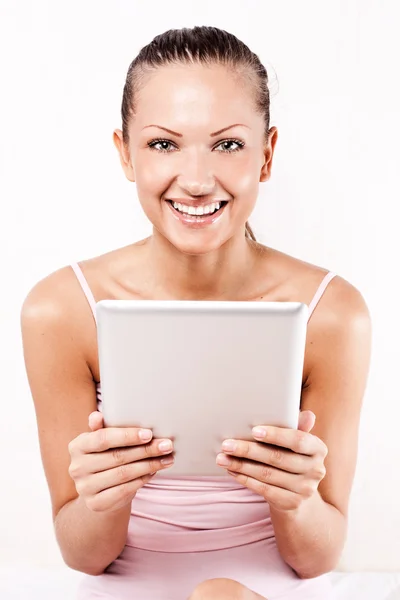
point(311, 574)
point(317, 569)
point(86, 569)
point(82, 567)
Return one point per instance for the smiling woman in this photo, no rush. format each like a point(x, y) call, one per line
point(274, 523)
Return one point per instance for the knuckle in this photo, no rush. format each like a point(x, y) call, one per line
point(301, 442)
point(73, 470)
point(122, 473)
point(118, 456)
point(319, 472)
point(236, 465)
point(307, 489)
point(75, 444)
point(128, 438)
point(265, 490)
point(94, 504)
point(266, 473)
point(149, 449)
point(244, 479)
point(101, 439)
point(143, 480)
point(324, 450)
point(244, 449)
point(81, 486)
point(276, 456)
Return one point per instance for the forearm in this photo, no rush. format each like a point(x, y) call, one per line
point(311, 539)
point(89, 541)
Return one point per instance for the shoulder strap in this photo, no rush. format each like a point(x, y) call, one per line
point(92, 302)
point(85, 287)
point(318, 294)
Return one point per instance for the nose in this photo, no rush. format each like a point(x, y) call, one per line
point(196, 178)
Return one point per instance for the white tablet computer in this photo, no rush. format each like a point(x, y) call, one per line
point(199, 372)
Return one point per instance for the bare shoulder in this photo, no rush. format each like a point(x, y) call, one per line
point(48, 295)
point(340, 325)
point(56, 298)
point(341, 302)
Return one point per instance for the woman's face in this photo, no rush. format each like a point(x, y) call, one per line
point(194, 163)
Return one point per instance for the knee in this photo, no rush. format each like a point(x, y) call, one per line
point(220, 589)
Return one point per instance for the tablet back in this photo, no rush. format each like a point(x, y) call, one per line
point(199, 372)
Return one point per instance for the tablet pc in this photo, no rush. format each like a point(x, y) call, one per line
point(199, 372)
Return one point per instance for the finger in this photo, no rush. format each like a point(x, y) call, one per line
point(113, 437)
point(267, 474)
point(116, 497)
point(306, 420)
point(115, 457)
point(95, 420)
point(120, 475)
point(284, 459)
point(275, 496)
point(298, 441)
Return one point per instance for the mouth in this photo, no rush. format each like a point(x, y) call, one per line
point(197, 220)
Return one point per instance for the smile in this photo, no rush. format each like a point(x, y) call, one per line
point(197, 216)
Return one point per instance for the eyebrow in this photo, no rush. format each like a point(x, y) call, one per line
point(211, 134)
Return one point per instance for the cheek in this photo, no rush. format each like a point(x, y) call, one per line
point(245, 181)
point(243, 184)
point(153, 175)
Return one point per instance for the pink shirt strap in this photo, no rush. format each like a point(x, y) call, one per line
point(92, 302)
point(318, 294)
point(86, 288)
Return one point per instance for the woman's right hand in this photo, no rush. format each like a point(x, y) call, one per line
point(110, 464)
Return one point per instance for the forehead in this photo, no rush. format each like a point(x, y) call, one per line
point(188, 94)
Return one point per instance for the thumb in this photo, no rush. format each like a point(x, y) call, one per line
point(95, 420)
point(306, 420)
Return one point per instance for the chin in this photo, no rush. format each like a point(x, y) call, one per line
point(196, 245)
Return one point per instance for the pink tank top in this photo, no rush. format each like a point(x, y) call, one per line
point(193, 514)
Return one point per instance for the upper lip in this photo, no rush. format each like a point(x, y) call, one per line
point(196, 203)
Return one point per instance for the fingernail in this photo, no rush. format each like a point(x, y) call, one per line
point(223, 459)
point(145, 434)
point(229, 445)
point(165, 446)
point(259, 432)
point(167, 460)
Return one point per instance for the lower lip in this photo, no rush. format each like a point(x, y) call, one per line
point(197, 221)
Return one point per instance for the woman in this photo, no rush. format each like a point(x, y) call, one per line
point(196, 141)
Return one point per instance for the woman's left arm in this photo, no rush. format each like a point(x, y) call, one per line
point(308, 485)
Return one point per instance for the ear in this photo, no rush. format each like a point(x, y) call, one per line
point(124, 157)
point(269, 148)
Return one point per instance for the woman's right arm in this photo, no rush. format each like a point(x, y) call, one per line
point(91, 526)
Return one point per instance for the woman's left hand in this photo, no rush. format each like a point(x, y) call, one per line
point(285, 466)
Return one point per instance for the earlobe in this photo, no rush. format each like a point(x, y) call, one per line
point(265, 169)
point(264, 175)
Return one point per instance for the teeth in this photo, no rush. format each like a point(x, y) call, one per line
point(200, 210)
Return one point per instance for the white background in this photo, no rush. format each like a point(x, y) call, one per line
point(332, 199)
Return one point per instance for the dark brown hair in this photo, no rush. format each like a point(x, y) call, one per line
point(204, 45)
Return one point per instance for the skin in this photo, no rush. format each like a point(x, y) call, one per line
point(215, 263)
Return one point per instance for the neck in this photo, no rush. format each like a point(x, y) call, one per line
point(219, 274)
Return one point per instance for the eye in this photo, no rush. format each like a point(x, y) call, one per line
point(152, 145)
point(232, 141)
point(165, 144)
